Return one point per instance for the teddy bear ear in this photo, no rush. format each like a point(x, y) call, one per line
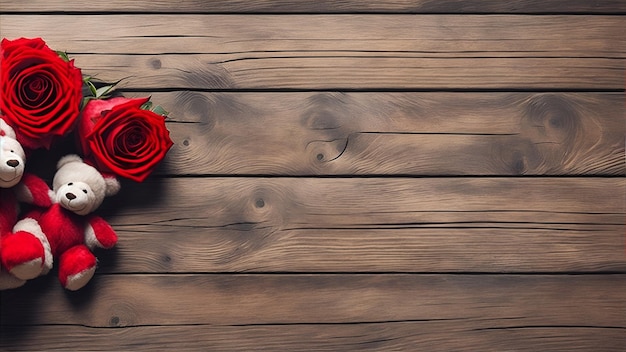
point(112, 185)
point(6, 130)
point(70, 158)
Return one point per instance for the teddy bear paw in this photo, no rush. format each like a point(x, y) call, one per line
point(28, 270)
point(23, 255)
point(79, 280)
point(76, 267)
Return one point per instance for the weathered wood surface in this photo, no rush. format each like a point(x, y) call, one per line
point(339, 312)
point(320, 6)
point(340, 52)
point(383, 336)
point(232, 38)
point(348, 175)
point(396, 133)
point(370, 225)
point(331, 299)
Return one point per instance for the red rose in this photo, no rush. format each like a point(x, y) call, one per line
point(40, 94)
point(117, 136)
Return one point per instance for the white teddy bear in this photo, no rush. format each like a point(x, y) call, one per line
point(71, 230)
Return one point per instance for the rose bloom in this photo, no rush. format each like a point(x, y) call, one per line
point(40, 93)
point(118, 137)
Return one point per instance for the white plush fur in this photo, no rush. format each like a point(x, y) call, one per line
point(12, 157)
point(8, 130)
point(79, 187)
point(32, 226)
point(76, 281)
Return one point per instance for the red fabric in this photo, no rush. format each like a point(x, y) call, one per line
point(8, 211)
point(29, 245)
point(18, 248)
point(66, 233)
point(63, 228)
point(104, 232)
point(38, 189)
point(75, 260)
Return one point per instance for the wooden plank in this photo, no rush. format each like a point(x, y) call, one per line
point(319, 6)
point(347, 52)
point(482, 248)
point(485, 302)
point(394, 133)
point(233, 38)
point(369, 225)
point(388, 336)
point(348, 72)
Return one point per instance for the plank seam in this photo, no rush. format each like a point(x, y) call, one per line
point(374, 273)
point(321, 13)
point(370, 90)
point(388, 176)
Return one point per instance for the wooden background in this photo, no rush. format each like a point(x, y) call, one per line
point(348, 175)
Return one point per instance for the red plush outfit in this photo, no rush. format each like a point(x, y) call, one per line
point(67, 229)
point(71, 236)
point(32, 190)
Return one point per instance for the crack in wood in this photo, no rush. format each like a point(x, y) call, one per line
point(522, 327)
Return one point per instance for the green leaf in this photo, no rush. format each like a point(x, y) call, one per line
point(160, 111)
point(63, 55)
point(146, 106)
point(92, 88)
point(103, 91)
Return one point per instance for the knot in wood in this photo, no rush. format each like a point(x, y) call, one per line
point(122, 314)
point(320, 120)
point(198, 108)
point(114, 321)
point(156, 64)
point(553, 118)
point(517, 157)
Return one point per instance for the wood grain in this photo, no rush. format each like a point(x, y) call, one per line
point(351, 176)
point(388, 336)
point(333, 52)
point(369, 225)
point(246, 38)
point(348, 72)
point(395, 133)
point(488, 301)
point(320, 6)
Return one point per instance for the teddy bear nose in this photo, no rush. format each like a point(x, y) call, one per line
point(70, 196)
point(13, 163)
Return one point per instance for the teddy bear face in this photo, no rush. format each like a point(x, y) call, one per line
point(79, 187)
point(12, 161)
point(77, 197)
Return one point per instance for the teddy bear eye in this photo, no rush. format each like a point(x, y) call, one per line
point(85, 191)
point(70, 184)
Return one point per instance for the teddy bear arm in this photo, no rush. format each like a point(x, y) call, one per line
point(34, 190)
point(98, 233)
